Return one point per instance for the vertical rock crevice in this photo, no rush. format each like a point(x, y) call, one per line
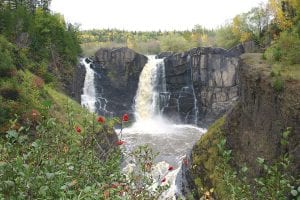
point(205, 83)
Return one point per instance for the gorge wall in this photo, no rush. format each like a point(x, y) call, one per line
point(252, 129)
point(202, 83)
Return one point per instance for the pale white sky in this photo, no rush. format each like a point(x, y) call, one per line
point(148, 15)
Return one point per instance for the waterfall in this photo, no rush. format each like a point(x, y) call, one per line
point(170, 140)
point(195, 109)
point(88, 98)
point(194, 95)
point(150, 85)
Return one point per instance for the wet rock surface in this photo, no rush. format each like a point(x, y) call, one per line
point(116, 80)
point(203, 83)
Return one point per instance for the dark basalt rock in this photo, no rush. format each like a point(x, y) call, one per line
point(118, 72)
point(210, 74)
point(78, 82)
point(165, 54)
point(253, 128)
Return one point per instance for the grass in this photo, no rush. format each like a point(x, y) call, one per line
point(288, 72)
point(61, 104)
point(256, 61)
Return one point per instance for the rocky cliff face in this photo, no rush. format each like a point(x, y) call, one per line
point(78, 82)
point(202, 83)
point(254, 127)
point(117, 78)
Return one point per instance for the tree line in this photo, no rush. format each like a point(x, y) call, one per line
point(40, 41)
point(29, 4)
point(262, 24)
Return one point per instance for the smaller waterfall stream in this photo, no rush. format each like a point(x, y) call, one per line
point(92, 98)
point(88, 98)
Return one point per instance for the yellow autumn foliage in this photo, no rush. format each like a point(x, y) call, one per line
point(281, 19)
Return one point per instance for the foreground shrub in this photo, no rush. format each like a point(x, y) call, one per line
point(278, 84)
point(6, 58)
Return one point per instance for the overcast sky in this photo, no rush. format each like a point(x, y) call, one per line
point(144, 15)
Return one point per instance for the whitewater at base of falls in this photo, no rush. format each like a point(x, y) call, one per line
point(171, 141)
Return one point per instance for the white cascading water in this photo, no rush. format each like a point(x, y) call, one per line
point(88, 98)
point(146, 101)
point(171, 141)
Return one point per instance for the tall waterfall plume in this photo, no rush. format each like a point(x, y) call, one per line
point(88, 98)
point(171, 140)
point(151, 83)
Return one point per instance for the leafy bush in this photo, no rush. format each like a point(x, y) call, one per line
point(60, 161)
point(57, 164)
point(234, 184)
point(286, 48)
point(4, 113)
point(289, 43)
point(273, 74)
point(9, 90)
point(277, 54)
point(278, 84)
point(6, 57)
point(276, 181)
point(50, 150)
point(274, 184)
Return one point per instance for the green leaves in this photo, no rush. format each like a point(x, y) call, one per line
point(225, 153)
point(6, 57)
point(295, 192)
point(274, 183)
point(9, 183)
point(260, 160)
point(12, 135)
point(50, 175)
point(35, 144)
point(43, 190)
point(47, 103)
